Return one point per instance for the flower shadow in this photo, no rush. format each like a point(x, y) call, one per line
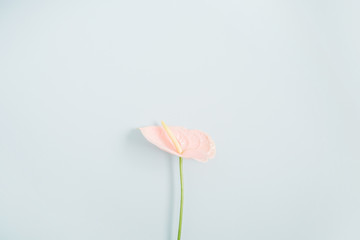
point(171, 201)
point(139, 148)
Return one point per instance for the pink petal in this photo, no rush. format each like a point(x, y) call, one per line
point(194, 143)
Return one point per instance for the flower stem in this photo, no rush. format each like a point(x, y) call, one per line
point(182, 196)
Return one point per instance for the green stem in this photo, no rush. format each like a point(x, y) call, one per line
point(182, 196)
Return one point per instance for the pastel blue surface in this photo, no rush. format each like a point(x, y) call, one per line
point(275, 83)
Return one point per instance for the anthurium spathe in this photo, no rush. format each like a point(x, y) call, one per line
point(180, 141)
point(184, 143)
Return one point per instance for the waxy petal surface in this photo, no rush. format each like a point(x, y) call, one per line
point(194, 143)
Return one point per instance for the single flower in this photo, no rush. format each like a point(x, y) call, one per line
point(183, 143)
point(180, 141)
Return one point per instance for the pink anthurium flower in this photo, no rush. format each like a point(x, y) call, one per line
point(193, 144)
point(184, 143)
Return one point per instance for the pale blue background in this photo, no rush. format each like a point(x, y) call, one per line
point(275, 83)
